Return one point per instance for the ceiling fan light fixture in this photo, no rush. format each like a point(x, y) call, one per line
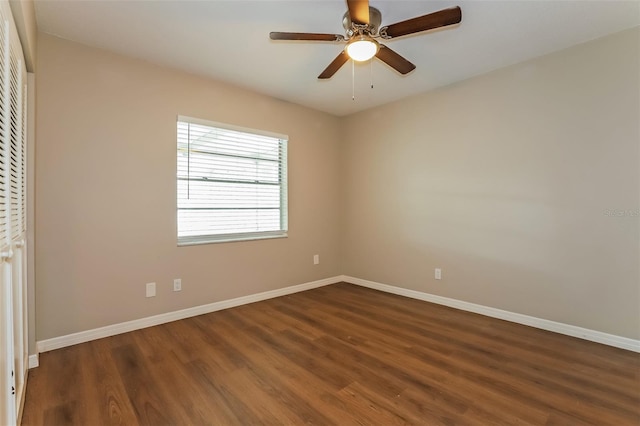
point(362, 48)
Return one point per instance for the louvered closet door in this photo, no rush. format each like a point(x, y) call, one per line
point(7, 384)
point(13, 339)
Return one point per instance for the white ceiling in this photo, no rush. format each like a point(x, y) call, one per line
point(228, 40)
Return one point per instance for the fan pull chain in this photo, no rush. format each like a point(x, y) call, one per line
point(353, 80)
point(371, 70)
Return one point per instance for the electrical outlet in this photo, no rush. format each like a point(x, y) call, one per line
point(438, 274)
point(316, 259)
point(177, 284)
point(151, 289)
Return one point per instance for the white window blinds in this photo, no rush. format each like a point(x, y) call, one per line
point(232, 183)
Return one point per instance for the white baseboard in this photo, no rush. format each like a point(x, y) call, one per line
point(112, 330)
point(557, 327)
point(34, 361)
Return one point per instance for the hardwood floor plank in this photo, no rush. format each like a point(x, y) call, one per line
point(618, 381)
point(178, 384)
point(267, 370)
point(63, 414)
point(61, 399)
point(150, 404)
point(225, 393)
point(36, 398)
point(509, 334)
point(379, 407)
point(335, 378)
point(342, 355)
point(103, 384)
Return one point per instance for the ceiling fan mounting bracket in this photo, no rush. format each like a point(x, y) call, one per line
point(351, 28)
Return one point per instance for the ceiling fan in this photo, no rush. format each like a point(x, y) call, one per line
point(362, 29)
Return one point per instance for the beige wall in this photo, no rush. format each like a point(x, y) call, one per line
point(106, 192)
point(504, 181)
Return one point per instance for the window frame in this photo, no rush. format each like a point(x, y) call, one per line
point(283, 185)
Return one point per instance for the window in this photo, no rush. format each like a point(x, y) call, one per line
point(232, 183)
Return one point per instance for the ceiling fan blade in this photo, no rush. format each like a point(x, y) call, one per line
point(305, 36)
point(394, 60)
point(359, 11)
point(423, 23)
point(334, 66)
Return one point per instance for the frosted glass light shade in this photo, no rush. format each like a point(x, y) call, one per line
point(362, 48)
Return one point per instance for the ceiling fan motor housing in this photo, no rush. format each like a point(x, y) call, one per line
point(375, 19)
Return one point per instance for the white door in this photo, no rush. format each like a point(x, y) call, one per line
point(8, 401)
point(13, 347)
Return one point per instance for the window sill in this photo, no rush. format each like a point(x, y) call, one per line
point(231, 239)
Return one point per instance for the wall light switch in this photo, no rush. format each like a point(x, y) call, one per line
point(151, 289)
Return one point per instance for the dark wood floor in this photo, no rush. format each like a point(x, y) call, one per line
point(336, 355)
